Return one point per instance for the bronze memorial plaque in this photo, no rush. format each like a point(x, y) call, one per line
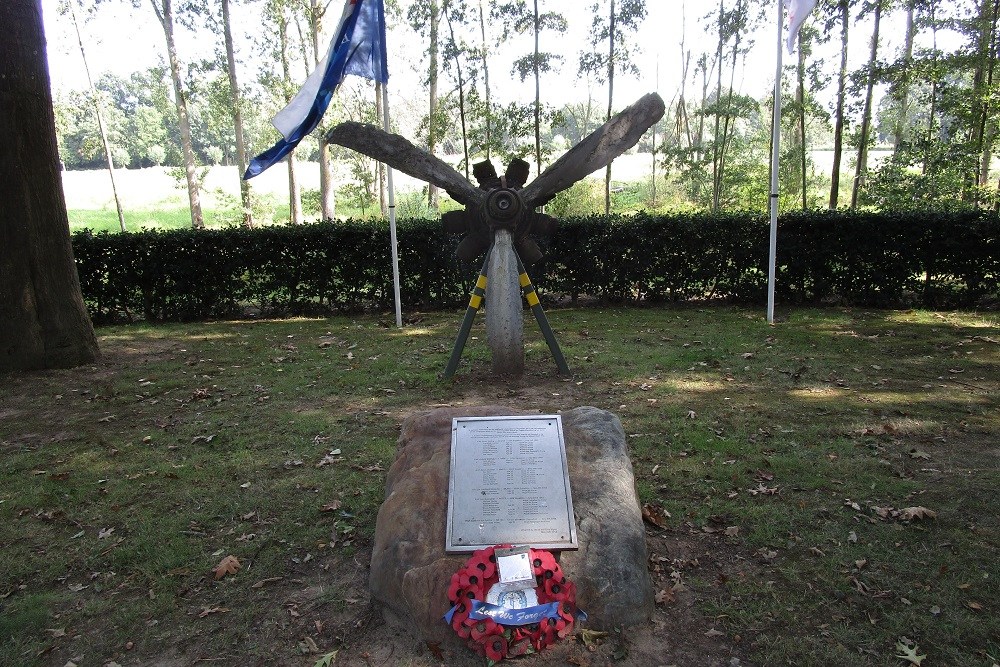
point(509, 484)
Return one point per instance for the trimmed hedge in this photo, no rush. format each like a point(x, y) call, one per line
point(929, 259)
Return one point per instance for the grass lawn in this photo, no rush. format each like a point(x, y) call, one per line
point(799, 466)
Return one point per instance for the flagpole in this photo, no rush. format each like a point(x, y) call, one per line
point(392, 214)
point(773, 200)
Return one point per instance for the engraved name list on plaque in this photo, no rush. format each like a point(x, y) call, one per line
point(509, 484)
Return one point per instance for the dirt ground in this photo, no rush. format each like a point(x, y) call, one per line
point(678, 633)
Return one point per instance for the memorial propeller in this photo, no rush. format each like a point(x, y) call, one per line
point(500, 218)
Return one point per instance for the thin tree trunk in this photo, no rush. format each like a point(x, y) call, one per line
point(164, 13)
point(432, 95)
point(241, 146)
point(100, 118)
point(838, 128)
point(611, 96)
point(716, 147)
point(866, 118)
point(486, 82)
point(987, 130)
point(294, 193)
point(934, 87)
point(902, 126)
point(461, 90)
point(45, 323)
point(327, 187)
point(538, 101)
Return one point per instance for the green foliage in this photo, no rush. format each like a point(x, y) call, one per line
point(865, 258)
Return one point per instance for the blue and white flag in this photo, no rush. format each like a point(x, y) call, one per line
point(358, 47)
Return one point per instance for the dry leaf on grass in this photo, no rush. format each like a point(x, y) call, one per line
point(911, 513)
point(909, 654)
point(330, 507)
point(214, 610)
point(655, 515)
point(228, 565)
point(269, 580)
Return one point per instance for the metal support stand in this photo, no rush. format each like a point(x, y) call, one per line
point(476, 302)
point(543, 322)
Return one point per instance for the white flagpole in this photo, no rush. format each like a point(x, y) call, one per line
point(392, 213)
point(775, 141)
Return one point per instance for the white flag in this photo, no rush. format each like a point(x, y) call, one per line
point(798, 10)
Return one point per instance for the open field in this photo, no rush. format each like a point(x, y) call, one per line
point(829, 485)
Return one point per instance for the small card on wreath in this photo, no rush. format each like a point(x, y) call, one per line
point(514, 565)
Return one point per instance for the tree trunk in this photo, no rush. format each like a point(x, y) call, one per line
point(611, 97)
point(486, 82)
point(164, 13)
point(903, 91)
point(241, 145)
point(100, 117)
point(838, 127)
point(461, 89)
point(294, 193)
point(866, 119)
point(716, 146)
point(432, 96)
point(45, 323)
point(987, 129)
point(538, 101)
point(327, 187)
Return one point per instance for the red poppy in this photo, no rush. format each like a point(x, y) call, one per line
point(485, 628)
point(496, 647)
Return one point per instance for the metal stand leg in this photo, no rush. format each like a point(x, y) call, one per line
point(543, 322)
point(475, 302)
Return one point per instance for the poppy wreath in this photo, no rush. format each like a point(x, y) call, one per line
point(497, 641)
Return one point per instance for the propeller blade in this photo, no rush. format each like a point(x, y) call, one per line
point(400, 154)
point(596, 151)
point(472, 246)
point(528, 251)
point(455, 222)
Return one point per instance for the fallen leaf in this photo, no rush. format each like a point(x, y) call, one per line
point(435, 649)
point(732, 531)
point(214, 610)
point(909, 653)
point(105, 532)
point(919, 454)
point(852, 536)
point(269, 580)
point(56, 632)
point(330, 507)
point(714, 633)
point(307, 645)
point(975, 606)
point(655, 515)
point(911, 513)
point(228, 565)
point(664, 596)
point(326, 660)
point(691, 414)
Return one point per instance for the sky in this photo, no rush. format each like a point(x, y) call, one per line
point(122, 39)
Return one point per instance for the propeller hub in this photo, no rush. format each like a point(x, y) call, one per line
point(503, 208)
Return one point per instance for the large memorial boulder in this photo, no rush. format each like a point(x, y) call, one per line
point(410, 570)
